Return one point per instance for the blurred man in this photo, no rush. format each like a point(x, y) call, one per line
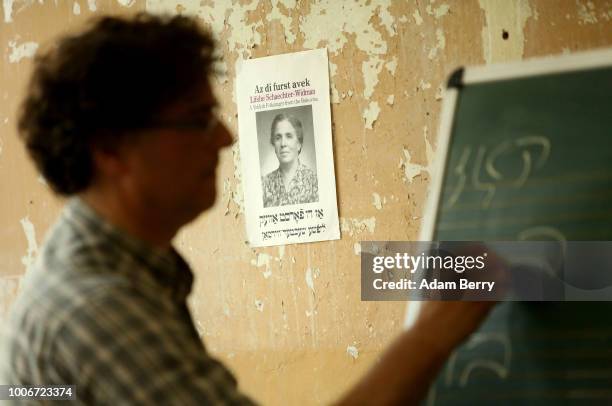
point(121, 119)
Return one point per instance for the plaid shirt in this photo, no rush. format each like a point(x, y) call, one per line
point(107, 313)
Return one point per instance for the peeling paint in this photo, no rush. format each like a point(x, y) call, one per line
point(371, 69)
point(412, 170)
point(221, 17)
point(333, 69)
point(387, 20)
point(42, 180)
point(285, 20)
point(76, 9)
point(357, 248)
point(390, 100)
point(417, 17)
point(586, 12)
point(424, 85)
point(19, 52)
point(504, 15)
point(259, 305)
point(370, 115)
point(352, 351)
point(244, 36)
point(91, 5)
point(126, 3)
point(28, 229)
point(333, 22)
point(309, 279)
point(377, 201)
point(263, 260)
point(335, 97)
point(439, 92)
point(440, 44)
point(9, 10)
point(439, 11)
point(237, 194)
point(392, 65)
point(281, 252)
point(7, 6)
point(353, 226)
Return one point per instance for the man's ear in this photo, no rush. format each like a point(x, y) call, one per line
point(109, 161)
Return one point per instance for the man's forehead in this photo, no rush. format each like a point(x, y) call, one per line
point(201, 98)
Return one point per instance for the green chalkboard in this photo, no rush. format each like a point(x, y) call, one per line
point(531, 154)
point(529, 157)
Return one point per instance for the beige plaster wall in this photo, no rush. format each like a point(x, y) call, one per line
point(290, 341)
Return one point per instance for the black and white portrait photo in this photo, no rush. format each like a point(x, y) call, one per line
point(286, 152)
point(287, 156)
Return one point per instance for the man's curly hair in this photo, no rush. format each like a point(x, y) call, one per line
point(115, 76)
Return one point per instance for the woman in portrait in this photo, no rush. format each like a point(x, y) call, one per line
point(292, 182)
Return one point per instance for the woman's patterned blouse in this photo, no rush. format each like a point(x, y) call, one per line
point(303, 188)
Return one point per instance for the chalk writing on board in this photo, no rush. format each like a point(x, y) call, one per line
point(486, 176)
point(499, 363)
point(541, 233)
point(522, 143)
point(459, 171)
point(489, 187)
point(547, 233)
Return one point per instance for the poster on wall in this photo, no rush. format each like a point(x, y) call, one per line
point(284, 128)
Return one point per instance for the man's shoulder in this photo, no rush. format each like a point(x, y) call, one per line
point(49, 303)
point(50, 295)
point(69, 273)
point(69, 270)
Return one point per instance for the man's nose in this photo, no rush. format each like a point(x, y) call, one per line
point(224, 136)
